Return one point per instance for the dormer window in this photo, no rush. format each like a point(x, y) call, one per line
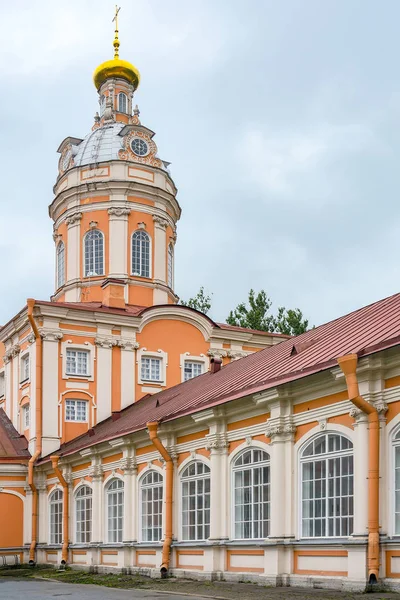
point(122, 103)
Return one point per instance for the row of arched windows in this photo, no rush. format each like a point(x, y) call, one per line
point(122, 103)
point(326, 473)
point(94, 256)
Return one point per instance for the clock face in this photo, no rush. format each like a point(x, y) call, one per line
point(139, 147)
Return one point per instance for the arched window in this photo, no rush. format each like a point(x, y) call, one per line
point(60, 264)
point(115, 510)
point(396, 443)
point(94, 253)
point(196, 502)
point(55, 514)
point(141, 254)
point(251, 489)
point(83, 505)
point(122, 103)
point(151, 497)
point(170, 266)
point(327, 487)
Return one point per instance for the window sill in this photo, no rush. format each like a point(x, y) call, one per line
point(24, 381)
point(75, 421)
point(74, 376)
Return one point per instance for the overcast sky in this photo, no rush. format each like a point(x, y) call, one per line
point(281, 120)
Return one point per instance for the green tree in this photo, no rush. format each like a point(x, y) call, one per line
point(256, 314)
point(201, 301)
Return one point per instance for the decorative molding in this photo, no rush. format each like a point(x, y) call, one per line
point(31, 338)
point(96, 472)
point(105, 342)
point(322, 424)
point(237, 354)
point(128, 345)
point(217, 353)
point(74, 219)
point(51, 335)
point(128, 465)
point(119, 211)
point(141, 225)
point(216, 442)
point(160, 222)
point(280, 429)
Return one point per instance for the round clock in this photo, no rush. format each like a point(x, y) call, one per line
point(139, 147)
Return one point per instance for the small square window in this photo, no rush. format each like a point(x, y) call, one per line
point(151, 369)
point(77, 362)
point(25, 368)
point(76, 410)
point(26, 416)
point(192, 369)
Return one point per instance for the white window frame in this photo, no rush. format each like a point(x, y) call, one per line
point(2, 384)
point(323, 457)
point(52, 533)
point(196, 495)
point(108, 493)
point(119, 109)
point(25, 366)
point(88, 347)
point(60, 264)
point(187, 357)
point(395, 444)
point(78, 404)
point(26, 416)
point(88, 274)
point(144, 353)
point(250, 466)
point(134, 274)
point(83, 537)
point(143, 486)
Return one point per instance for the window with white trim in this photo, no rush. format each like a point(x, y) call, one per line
point(327, 487)
point(171, 266)
point(76, 410)
point(77, 362)
point(251, 494)
point(26, 416)
point(115, 510)
point(151, 492)
point(60, 264)
point(25, 368)
point(195, 481)
point(150, 368)
point(141, 254)
point(192, 369)
point(2, 385)
point(94, 253)
point(122, 103)
point(83, 514)
point(55, 516)
point(396, 444)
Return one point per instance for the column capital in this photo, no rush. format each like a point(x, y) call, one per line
point(160, 222)
point(280, 429)
point(119, 211)
point(74, 219)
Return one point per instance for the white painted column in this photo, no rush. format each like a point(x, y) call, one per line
point(8, 382)
point(97, 501)
point(118, 241)
point(74, 243)
point(360, 472)
point(43, 527)
point(104, 367)
point(51, 352)
point(277, 470)
point(128, 370)
point(15, 387)
point(135, 505)
point(128, 495)
point(160, 258)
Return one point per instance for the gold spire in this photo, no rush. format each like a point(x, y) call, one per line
point(116, 68)
point(116, 40)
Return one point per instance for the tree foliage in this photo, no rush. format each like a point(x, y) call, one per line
point(201, 301)
point(256, 314)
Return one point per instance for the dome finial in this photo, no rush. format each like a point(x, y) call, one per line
point(116, 40)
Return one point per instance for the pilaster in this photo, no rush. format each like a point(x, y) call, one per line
point(160, 257)
point(118, 241)
point(74, 243)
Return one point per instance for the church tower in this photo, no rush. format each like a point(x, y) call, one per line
point(114, 209)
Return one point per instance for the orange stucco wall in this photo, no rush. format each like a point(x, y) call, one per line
point(11, 521)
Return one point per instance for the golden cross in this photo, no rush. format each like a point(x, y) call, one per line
point(116, 17)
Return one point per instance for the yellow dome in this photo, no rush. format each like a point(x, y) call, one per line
point(116, 68)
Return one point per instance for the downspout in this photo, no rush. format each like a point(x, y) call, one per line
point(64, 552)
point(38, 399)
point(169, 478)
point(348, 364)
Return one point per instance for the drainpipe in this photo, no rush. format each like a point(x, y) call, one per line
point(348, 364)
point(64, 552)
point(38, 420)
point(152, 429)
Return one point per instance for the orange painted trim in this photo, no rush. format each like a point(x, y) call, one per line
point(145, 450)
point(113, 458)
point(392, 382)
point(248, 422)
point(145, 553)
point(230, 553)
point(191, 437)
point(84, 328)
point(180, 553)
point(320, 402)
point(331, 553)
point(12, 478)
point(81, 467)
point(389, 555)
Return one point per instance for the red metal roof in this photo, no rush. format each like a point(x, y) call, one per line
point(13, 446)
point(367, 330)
